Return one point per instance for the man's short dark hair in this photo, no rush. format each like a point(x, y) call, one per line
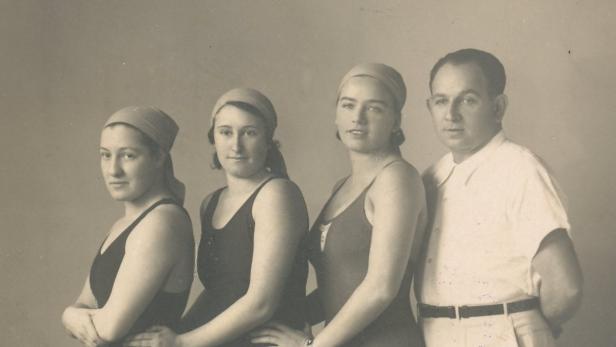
point(491, 67)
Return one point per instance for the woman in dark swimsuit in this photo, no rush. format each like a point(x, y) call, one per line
point(143, 270)
point(250, 261)
point(365, 241)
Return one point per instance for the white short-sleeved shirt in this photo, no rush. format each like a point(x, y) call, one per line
point(489, 215)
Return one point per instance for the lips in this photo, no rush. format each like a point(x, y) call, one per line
point(117, 184)
point(356, 131)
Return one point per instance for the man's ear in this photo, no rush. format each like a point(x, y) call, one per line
point(428, 105)
point(500, 106)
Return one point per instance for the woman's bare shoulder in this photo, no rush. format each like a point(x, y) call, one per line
point(167, 226)
point(398, 175)
point(279, 190)
point(280, 202)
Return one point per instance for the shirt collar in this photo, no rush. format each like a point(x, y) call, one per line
point(468, 166)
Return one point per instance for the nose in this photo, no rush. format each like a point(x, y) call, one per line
point(359, 117)
point(453, 112)
point(114, 167)
point(236, 142)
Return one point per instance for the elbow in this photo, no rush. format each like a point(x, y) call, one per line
point(559, 306)
point(110, 334)
point(572, 293)
point(110, 330)
point(572, 296)
point(383, 295)
point(262, 308)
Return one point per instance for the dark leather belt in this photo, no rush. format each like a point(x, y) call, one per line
point(430, 311)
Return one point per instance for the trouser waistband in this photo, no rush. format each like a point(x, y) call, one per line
point(468, 311)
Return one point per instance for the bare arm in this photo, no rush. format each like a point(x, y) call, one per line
point(77, 318)
point(153, 248)
point(280, 223)
point(398, 200)
point(561, 277)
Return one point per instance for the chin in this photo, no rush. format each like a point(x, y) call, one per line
point(119, 197)
point(365, 148)
point(454, 143)
point(125, 196)
point(241, 173)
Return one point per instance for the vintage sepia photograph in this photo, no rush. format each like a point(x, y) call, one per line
point(308, 173)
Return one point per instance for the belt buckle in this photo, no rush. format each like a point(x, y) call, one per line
point(460, 310)
point(457, 311)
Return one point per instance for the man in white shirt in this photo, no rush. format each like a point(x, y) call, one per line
point(499, 267)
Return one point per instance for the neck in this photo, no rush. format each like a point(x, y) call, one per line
point(365, 165)
point(137, 206)
point(245, 185)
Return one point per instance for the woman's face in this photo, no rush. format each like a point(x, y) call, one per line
point(241, 142)
point(129, 167)
point(366, 115)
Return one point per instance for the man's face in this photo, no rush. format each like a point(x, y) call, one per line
point(464, 114)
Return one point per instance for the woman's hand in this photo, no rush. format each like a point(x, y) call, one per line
point(156, 336)
point(279, 335)
point(78, 323)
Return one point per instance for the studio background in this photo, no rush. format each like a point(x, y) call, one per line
point(67, 65)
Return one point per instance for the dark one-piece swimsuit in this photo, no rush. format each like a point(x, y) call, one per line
point(224, 262)
point(165, 308)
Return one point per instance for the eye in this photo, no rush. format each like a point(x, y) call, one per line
point(469, 100)
point(375, 109)
point(105, 155)
point(440, 101)
point(129, 155)
point(251, 132)
point(347, 105)
point(225, 132)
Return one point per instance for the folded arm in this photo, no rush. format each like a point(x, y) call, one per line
point(152, 250)
point(560, 291)
point(77, 318)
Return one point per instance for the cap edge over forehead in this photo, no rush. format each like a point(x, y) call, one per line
point(153, 122)
point(387, 75)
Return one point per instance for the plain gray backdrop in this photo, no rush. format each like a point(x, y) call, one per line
point(67, 65)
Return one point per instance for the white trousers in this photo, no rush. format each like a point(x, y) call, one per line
point(520, 329)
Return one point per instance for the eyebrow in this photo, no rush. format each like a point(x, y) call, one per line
point(244, 127)
point(120, 149)
point(378, 101)
point(465, 91)
point(470, 91)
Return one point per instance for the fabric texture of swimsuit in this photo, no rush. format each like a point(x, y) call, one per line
point(165, 308)
point(224, 262)
point(341, 267)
